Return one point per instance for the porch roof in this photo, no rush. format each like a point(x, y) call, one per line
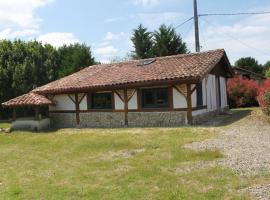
point(29, 99)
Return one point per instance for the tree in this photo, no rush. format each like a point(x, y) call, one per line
point(142, 42)
point(266, 69)
point(73, 58)
point(167, 42)
point(249, 63)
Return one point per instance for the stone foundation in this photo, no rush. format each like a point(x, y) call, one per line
point(117, 119)
point(102, 119)
point(156, 119)
point(63, 120)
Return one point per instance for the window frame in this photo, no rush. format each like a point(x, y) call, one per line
point(155, 105)
point(90, 102)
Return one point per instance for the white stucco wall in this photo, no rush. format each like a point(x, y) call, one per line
point(223, 92)
point(63, 102)
point(179, 101)
point(132, 104)
point(83, 104)
point(119, 104)
point(211, 93)
point(194, 97)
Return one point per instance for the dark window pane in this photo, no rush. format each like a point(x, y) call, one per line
point(199, 94)
point(101, 101)
point(155, 98)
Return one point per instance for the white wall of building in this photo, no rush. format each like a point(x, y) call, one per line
point(223, 92)
point(133, 103)
point(83, 104)
point(194, 97)
point(63, 102)
point(119, 104)
point(179, 101)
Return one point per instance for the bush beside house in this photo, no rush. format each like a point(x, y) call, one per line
point(264, 97)
point(242, 92)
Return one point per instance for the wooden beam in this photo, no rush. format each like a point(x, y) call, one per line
point(189, 104)
point(74, 101)
point(36, 112)
point(193, 90)
point(14, 114)
point(77, 108)
point(126, 106)
point(171, 97)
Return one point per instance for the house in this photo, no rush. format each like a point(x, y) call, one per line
point(163, 91)
point(247, 74)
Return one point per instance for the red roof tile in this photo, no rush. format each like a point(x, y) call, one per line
point(184, 66)
point(30, 99)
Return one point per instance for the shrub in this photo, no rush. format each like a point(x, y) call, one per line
point(242, 92)
point(264, 97)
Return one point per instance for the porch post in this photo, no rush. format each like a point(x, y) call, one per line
point(14, 114)
point(36, 113)
point(126, 106)
point(189, 104)
point(77, 105)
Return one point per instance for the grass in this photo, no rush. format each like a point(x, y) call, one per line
point(112, 164)
point(4, 125)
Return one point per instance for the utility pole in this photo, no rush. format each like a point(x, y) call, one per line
point(196, 24)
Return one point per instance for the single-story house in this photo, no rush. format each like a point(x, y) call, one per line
point(247, 74)
point(163, 91)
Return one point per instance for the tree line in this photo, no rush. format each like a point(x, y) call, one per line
point(27, 65)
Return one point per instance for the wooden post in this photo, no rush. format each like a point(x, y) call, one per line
point(126, 106)
point(189, 104)
point(36, 113)
point(14, 114)
point(77, 107)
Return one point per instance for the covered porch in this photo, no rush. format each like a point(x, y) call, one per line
point(40, 120)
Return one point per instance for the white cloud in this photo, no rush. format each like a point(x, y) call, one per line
point(20, 13)
point(8, 33)
point(58, 39)
point(248, 37)
point(153, 20)
point(107, 51)
point(18, 18)
point(146, 2)
point(114, 36)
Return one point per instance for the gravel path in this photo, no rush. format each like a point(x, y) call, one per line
point(246, 145)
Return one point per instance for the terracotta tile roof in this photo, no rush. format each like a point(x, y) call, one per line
point(185, 66)
point(30, 99)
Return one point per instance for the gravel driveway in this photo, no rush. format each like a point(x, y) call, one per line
point(246, 146)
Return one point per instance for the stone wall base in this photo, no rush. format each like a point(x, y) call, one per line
point(156, 119)
point(117, 119)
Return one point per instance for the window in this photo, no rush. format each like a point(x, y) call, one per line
point(199, 92)
point(155, 98)
point(100, 100)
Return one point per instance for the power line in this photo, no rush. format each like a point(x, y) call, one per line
point(236, 39)
point(189, 19)
point(231, 14)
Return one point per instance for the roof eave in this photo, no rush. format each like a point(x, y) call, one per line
point(191, 80)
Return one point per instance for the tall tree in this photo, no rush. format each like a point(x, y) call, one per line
point(142, 42)
point(266, 69)
point(74, 57)
point(167, 42)
point(249, 63)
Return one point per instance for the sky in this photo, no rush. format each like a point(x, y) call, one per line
point(107, 25)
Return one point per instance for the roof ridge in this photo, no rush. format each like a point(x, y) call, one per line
point(159, 57)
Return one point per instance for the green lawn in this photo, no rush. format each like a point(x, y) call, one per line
point(4, 125)
point(112, 164)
